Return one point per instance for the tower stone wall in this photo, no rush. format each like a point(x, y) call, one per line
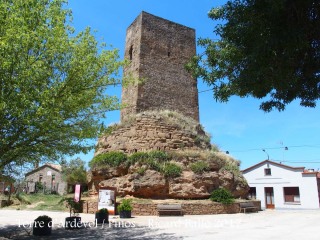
point(158, 50)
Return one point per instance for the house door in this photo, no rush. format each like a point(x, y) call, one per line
point(269, 197)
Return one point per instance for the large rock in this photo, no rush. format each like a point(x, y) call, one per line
point(189, 185)
point(96, 175)
point(151, 184)
point(193, 186)
point(235, 183)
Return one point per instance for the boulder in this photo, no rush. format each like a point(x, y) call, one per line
point(193, 186)
point(151, 184)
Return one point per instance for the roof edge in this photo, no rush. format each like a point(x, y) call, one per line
point(45, 165)
point(275, 163)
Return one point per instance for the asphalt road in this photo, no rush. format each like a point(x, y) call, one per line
point(264, 225)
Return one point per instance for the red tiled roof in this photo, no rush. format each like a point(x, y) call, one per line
point(306, 172)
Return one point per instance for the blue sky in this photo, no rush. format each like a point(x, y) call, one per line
point(237, 126)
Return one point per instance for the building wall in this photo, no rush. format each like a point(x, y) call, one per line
point(47, 172)
point(284, 177)
point(159, 50)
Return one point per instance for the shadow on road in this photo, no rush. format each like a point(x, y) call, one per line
point(112, 231)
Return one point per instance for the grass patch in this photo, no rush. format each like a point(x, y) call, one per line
point(39, 201)
point(199, 167)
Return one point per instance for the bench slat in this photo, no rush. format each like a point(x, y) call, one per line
point(169, 208)
point(247, 205)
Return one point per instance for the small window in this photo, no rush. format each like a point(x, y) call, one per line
point(267, 171)
point(131, 52)
point(40, 177)
point(169, 54)
point(291, 194)
point(252, 193)
point(53, 176)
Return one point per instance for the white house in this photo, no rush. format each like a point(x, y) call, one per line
point(280, 186)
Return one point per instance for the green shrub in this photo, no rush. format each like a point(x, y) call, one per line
point(171, 170)
point(137, 157)
point(159, 156)
point(152, 159)
point(231, 167)
point(152, 164)
point(199, 167)
point(222, 195)
point(125, 205)
point(112, 159)
point(39, 187)
point(103, 211)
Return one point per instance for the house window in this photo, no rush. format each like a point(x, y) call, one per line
point(252, 193)
point(53, 177)
point(267, 171)
point(291, 194)
point(40, 177)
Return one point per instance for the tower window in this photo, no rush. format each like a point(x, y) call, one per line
point(130, 52)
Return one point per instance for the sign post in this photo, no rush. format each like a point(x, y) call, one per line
point(107, 199)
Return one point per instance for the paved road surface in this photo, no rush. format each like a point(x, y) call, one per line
point(265, 225)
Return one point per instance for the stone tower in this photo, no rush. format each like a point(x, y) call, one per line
point(158, 50)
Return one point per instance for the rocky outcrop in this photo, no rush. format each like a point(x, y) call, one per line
point(187, 144)
point(149, 185)
point(152, 184)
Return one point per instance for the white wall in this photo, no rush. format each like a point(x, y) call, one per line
point(282, 176)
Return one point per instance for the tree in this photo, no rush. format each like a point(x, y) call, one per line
point(74, 172)
point(268, 50)
point(52, 82)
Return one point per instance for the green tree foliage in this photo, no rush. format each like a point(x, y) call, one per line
point(268, 50)
point(74, 171)
point(52, 82)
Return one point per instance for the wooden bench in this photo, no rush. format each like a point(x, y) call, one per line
point(247, 205)
point(169, 208)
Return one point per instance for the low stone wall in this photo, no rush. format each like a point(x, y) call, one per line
point(151, 133)
point(90, 206)
point(150, 209)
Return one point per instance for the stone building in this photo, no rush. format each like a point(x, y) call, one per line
point(158, 50)
point(50, 177)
